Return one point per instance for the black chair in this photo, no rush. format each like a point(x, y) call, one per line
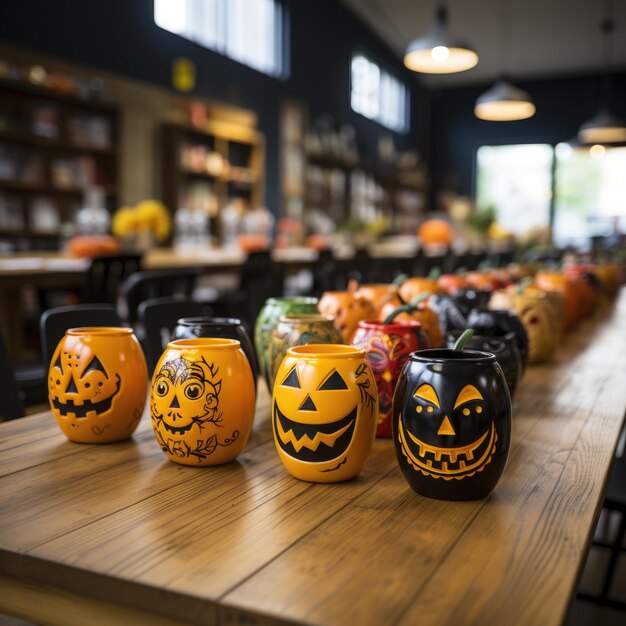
point(260, 279)
point(54, 323)
point(147, 285)
point(614, 500)
point(158, 318)
point(106, 275)
point(10, 402)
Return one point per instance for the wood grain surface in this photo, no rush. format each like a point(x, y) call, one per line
point(116, 533)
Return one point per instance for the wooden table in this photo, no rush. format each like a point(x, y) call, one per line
point(118, 534)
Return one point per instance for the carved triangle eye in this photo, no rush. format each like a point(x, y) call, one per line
point(96, 365)
point(292, 380)
point(333, 382)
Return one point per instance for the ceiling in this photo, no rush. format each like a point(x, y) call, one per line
point(543, 37)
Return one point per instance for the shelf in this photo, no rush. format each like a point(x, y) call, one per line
point(11, 185)
point(26, 89)
point(53, 144)
point(212, 177)
point(27, 232)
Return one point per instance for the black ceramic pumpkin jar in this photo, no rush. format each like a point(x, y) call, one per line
point(504, 346)
point(452, 423)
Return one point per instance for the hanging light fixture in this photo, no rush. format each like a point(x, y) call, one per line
point(604, 127)
point(504, 102)
point(439, 52)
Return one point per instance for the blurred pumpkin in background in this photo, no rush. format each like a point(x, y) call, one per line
point(90, 246)
point(413, 287)
point(435, 232)
point(347, 309)
point(376, 293)
point(549, 280)
point(450, 283)
point(422, 314)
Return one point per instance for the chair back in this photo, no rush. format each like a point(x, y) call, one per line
point(158, 318)
point(260, 279)
point(10, 402)
point(147, 285)
point(106, 275)
point(54, 323)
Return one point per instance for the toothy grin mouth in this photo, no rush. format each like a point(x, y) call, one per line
point(81, 410)
point(313, 443)
point(448, 463)
point(176, 430)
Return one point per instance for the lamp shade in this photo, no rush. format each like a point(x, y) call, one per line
point(603, 128)
point(504, 103)
point(439, 52)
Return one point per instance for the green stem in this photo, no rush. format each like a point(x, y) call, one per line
point(435, 273)
point(398, 280)
point(466, 335)
point(408, 307)
point(525, 282)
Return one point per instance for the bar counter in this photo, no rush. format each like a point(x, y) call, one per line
point(116, 533)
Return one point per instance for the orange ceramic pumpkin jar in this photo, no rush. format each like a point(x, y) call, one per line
point(556, 281)
point(202, 401)
point(97, 384)
point(324, 412)
point(347, 310)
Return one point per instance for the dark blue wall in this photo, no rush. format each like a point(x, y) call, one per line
point(563, 104)
point(120, 36)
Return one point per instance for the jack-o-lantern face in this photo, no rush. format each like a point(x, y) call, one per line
point(325, 415)
point(80, 386)
point(97, 383)
point(184, 395)
point(452, 423)
point(456, 440)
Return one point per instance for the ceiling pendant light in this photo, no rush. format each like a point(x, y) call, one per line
point(504, 103)
point(604, 127)
point(439, 52)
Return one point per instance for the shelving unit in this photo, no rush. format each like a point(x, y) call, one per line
point(53, 146)
point(207, 168)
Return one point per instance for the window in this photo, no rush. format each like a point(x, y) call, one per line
point(590, 193)
point(588, 185)
point(251, 32)
point(379, 96)
point(517, 182)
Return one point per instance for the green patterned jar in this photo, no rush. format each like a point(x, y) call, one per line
point(272, 311)
point(297, 329)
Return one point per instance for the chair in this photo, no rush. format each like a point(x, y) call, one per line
point(147, 285)
point(10, 402)
point(54, 323)
point(614, 500)
point(106, 274)
point(158, 318)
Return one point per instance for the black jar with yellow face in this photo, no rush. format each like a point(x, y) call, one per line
point(452, 423)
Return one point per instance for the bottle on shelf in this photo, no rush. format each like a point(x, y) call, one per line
point(93, 218)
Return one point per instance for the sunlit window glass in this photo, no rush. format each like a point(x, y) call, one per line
point(251, 32)
point(590, 197)
point(516, 181)
point(377, 95)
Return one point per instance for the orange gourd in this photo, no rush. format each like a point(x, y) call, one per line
point(435, 232)
point(423, 314)
point(347, 309)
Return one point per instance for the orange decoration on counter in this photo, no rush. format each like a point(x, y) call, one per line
point(347, 310)
point(90, 246)
point(451, 283)
point(435, 231)
point(549, 280)
point(423, 314)
point(97, 384)
point(413, 287)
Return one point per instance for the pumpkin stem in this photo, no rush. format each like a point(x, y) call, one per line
point(461, 271)
point(353, 285)
point(466, 335)
point(525, 282)
point(435, 273)
point(407, 307)
point(398, 280)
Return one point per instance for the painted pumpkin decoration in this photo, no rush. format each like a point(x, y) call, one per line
point(556, 281)
point(272, 311)
point(97, 384)
point(377, 293)
point(542, 328)
point(451, 283)
point(347, 310)
point(610, 278)
point(482, 281)
point(202, 401)
point(413, 287)
point(324, 412)
point(297, 329)
point(452, 423)
point(423, 314)
point(388, 347)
